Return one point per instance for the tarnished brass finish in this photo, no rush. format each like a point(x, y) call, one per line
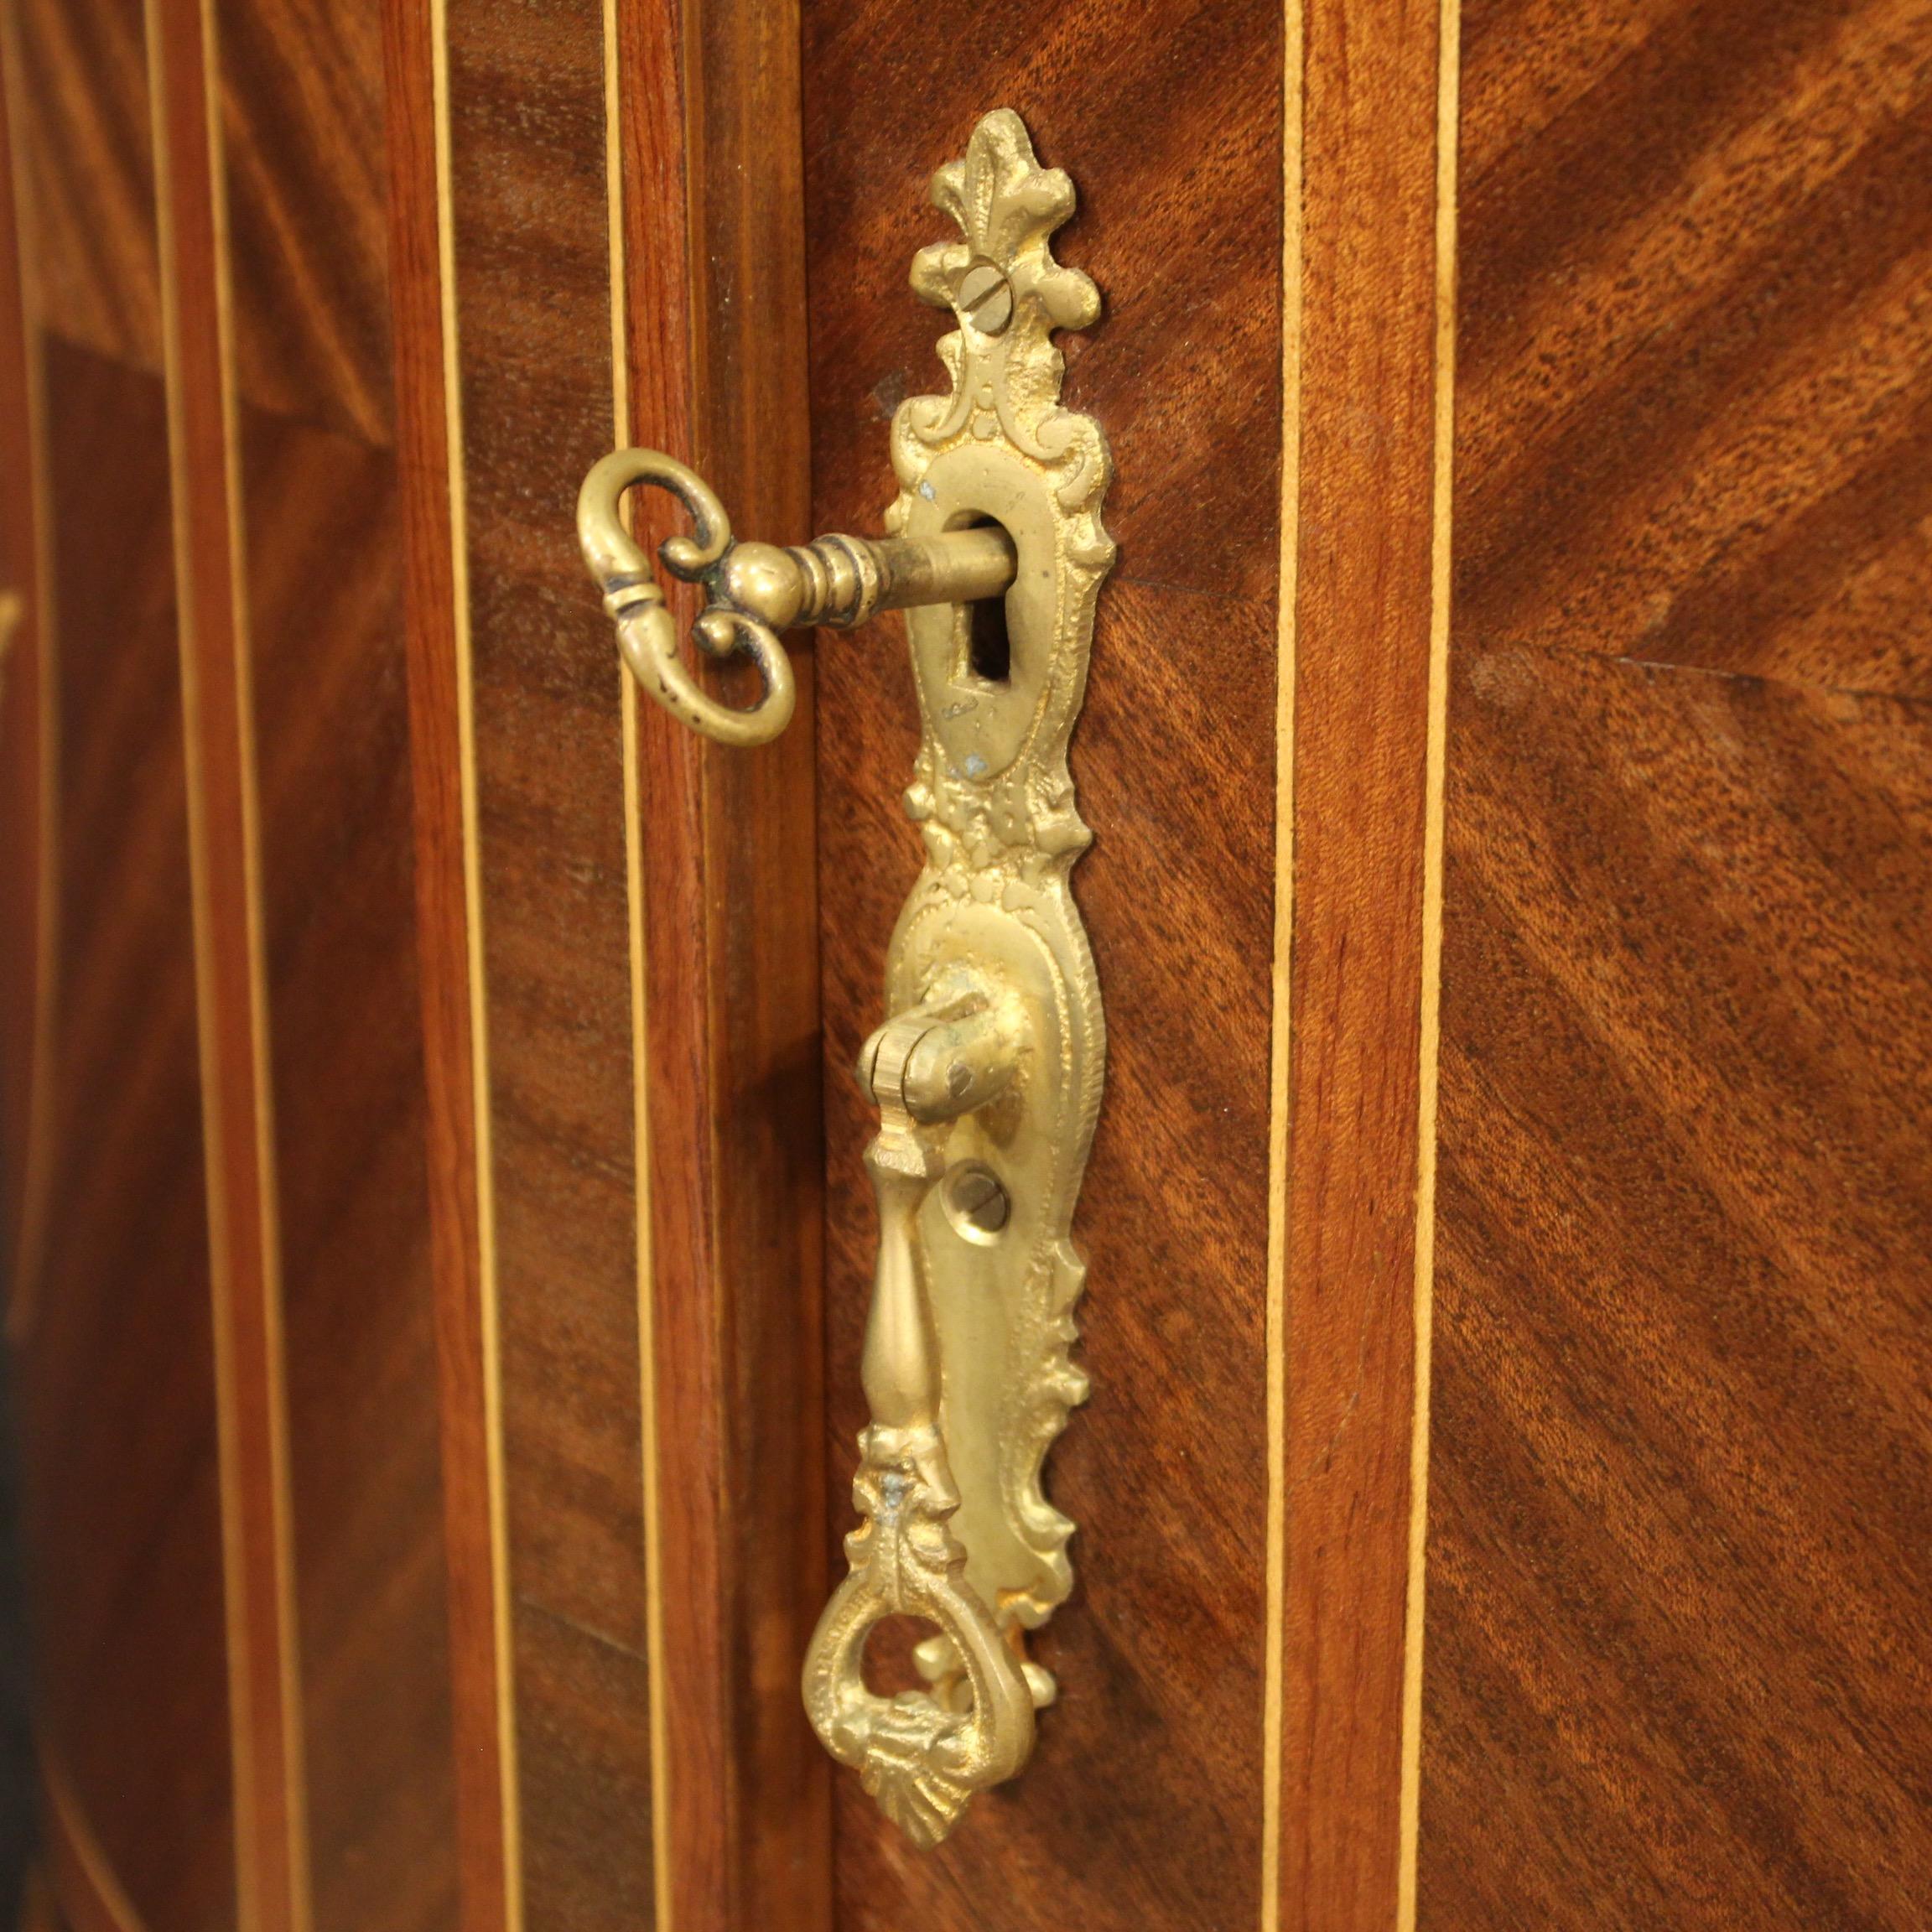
point(988, 1078)
point(757, 589)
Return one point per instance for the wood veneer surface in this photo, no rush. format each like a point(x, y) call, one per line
point(427, 486)
point(302, 98)
point(1693, 390)
point(121, 1499)
point(1675, 1673)
point(271, 1850)
point(1142, 1804)
point(1363, 626)
point(1682, 1440)
point(346, 1068)
point(90, 174)
point(114, 1362)
point(532, 257)
point(716, 327)
point(24, 750)
point(303, 107)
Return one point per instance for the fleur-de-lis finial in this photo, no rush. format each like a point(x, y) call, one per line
point(1008, 207)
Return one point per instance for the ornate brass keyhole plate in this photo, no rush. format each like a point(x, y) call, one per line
point(988, 1073)
point(992, 1069)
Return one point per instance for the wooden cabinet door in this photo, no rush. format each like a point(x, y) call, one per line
point(441, 1239)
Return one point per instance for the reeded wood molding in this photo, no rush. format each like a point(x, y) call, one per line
point(713, 257)
point(271, 1837)
point(450, 1018)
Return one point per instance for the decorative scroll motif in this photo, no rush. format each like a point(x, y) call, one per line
point(1009, 295)
point(919, 1755)
point(956, 1527)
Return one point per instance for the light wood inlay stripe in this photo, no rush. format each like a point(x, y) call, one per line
point(265, 1707)
point(479, 1005)
point(1352, 1307)
point(1441, 571)
point(714, 325)
point(629, 699)
point(436, 602)
point(1277, 1346)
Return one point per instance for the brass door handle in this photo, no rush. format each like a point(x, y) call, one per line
point(757, 589)
point(922, 1756)
point(988, 1073)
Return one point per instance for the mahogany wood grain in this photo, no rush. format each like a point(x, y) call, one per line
point(114, 1366)
point(271, 1829)
point(121, 1497)
point(1693, 388)
point(83, 88)
point(1142, 1806)
point(1681, 1488)
point(302, 92)
point(1363, 621)
point(1675, 1676)
point(329, 710)
point(450, 1015)
point(715, 238)
point(583, 1806)
point(532, 267)
point(303, 115)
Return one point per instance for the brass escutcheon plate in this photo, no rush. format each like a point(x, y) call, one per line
point(968, 1363)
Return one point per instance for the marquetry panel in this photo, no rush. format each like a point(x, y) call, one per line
point(1694, 390)
point(1677, 1672)
point(1673, 1675)
point(1143, 1804)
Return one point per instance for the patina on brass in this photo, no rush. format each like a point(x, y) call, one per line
point(987, 1075)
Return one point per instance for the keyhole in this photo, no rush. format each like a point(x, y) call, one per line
point(989, 653)
point(989, 650)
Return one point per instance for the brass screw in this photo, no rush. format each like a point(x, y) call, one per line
point(977, 1199)
point(986, 299)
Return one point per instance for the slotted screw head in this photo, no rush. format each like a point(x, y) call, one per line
point(977, 1199)
point(986, 299)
